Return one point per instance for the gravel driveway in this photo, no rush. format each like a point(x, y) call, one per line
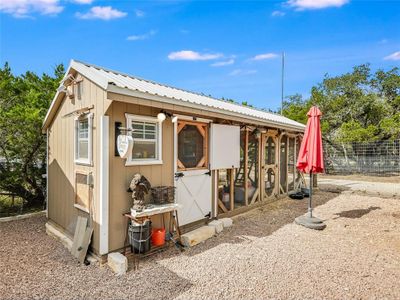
point(264, 255)
point(384, 189)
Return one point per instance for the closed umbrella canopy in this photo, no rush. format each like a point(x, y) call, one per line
point(311, 154)
point(311, 161)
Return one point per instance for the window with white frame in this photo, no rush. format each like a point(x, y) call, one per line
point(147, 140)
point(83, 139)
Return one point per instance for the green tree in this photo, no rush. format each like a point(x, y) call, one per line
point(24, 101)
point(356, 106)
point(245, 103)
point(296, 108)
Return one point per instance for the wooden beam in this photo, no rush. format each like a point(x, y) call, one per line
point(180, 165)
point(201, 129)
point(222, 206)
point(180, 126)
point(246, 162)
point(255, 195)
point(287, 163)
point(232, 189)
point(205, 145)
point(201, 162)
point(276, 168)
point(78, 111)
point(259, 170)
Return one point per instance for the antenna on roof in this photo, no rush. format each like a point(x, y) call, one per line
point(283, 81)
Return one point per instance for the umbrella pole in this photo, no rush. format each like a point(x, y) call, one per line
point(308, 220)
point(310, 197)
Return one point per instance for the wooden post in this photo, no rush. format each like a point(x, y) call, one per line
point(217, 189)
point(287, 162)
point(262, 167)
point(246, 162)
point(294, 164)
point(259, 166)
point(278, 161)
point(232, 189)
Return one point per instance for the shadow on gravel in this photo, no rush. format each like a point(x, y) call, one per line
point(262, 221)
point(356, 213)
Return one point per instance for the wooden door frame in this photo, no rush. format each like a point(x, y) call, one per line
point(220, 204)
point(280, 163)
point(200, 127)
point(291, 136)
point(264, 167)
point(194, 121)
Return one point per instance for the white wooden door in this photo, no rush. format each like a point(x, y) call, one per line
point(193, 191)
point(192, 176)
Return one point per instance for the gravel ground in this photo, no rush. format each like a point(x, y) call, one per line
point(370, 187)
point(359, 177)
point(264, 255)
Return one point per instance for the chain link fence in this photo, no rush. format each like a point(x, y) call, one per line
point(374, 158)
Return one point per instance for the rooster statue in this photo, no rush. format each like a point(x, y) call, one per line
point(139, 187)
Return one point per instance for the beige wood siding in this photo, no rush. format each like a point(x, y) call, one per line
point(121, 175)
point(61, 160)
point(62, 167)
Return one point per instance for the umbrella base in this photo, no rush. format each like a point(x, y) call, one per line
point(310, 222)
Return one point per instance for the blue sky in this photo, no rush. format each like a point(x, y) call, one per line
point(227, 49)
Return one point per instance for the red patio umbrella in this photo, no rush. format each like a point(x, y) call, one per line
point(311, 160)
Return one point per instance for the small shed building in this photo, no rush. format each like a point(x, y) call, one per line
point(223, 158)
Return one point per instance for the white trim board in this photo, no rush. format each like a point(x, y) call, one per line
point(104, 185)
point(47, 173)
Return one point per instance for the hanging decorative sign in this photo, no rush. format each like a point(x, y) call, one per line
point(124, 145)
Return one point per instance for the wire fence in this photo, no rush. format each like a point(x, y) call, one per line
point(375, 158)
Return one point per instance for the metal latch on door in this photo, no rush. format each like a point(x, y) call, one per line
point(179, 174)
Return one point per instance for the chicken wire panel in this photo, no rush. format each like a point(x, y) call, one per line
point(375, 158)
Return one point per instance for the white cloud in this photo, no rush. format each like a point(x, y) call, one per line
point(223, 63)
point(192, 55)
point(242, 72)
point(316, 4)
point(139, 13)
point(393, 56)
point(102, 12)
point(139, 37)
point(83, 1)
point(23, 8)
point(278, 13)
point(264, 56)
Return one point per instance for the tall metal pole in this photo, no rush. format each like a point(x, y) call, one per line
point(310, 196)
point(283, 81)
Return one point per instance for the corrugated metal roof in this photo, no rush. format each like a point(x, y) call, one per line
point(107, 78)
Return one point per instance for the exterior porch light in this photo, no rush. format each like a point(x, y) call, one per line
point(161, 117)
